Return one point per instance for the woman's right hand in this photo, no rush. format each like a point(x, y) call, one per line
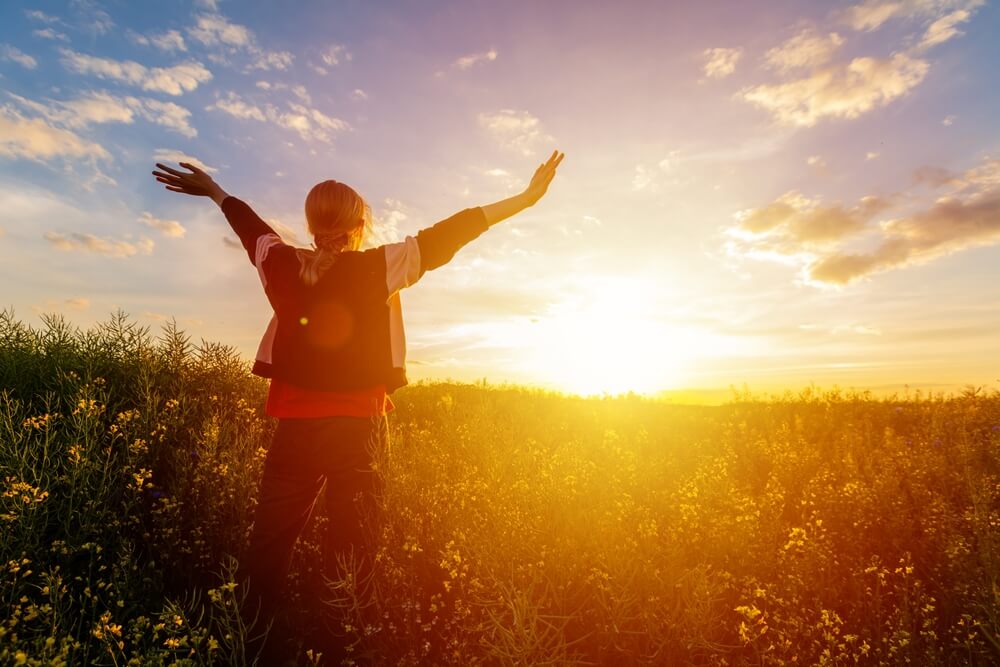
point(196, 183)
point(543, 176)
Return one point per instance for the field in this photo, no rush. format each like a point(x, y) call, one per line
point(516, 527)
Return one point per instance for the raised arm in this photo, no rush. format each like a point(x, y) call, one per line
point(438, 244)
point(196, 182)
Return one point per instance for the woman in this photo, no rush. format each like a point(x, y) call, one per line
point(334, 350)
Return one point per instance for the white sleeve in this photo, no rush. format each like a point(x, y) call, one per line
point(265, 242)
point(402, 264)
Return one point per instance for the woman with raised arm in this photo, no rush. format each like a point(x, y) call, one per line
point(334, 350)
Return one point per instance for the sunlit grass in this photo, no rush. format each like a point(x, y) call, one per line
point(516, 526)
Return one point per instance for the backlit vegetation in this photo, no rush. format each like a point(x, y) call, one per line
point(517, 527)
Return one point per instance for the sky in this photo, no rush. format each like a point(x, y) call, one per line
point(771, 195)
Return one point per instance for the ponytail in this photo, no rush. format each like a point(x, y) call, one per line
point(314, 263)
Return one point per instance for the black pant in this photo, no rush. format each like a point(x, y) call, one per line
point(305, 454)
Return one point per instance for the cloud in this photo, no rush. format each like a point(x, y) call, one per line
point(49, 33)
point(169, 155)
point(465, 62)
point(272, 60)
point(949, 120)
point(839, 91)
point(169, 115)
point(168, 41)
point(835, 245)
point(232, 243)
point(816, 161)
point(515, 130)
point(944, 28)
point(170, 228)
point(102, 246)
point(359, 95)
point(53, 305)
point(807, 49)
point(35, 139)
point(98, 107)
point(40, 16)
point(299, 91)
point(793, 221)
point(13, 54)
point(948, 226)
point(173, 80)
point(217, 30)
point(872, 14)
point(649, 177)
point(311, 124)
point(871, 155)
point(94, 18)
point(335, 54)
point(388, 219)
point(234, 105)
point(721, 62)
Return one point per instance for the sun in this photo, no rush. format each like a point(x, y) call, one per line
point(609, 341)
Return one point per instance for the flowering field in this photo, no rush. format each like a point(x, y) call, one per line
point(517, 527)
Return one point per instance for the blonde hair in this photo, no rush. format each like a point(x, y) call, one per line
point(338, 218)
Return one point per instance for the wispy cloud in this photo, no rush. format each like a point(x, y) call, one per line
point(35, 139)
point(310, 123)
point(109, 247)
point(217, 30)
point(272, 60)
point(40, 16)
point(49, 33)
point(515, 130)
point(721, 62)
point(214, 30)
point(169, 41)
point(847, 90)
point(174, 80)
point(807, 49)
point(840, 91)
point(465, 62)
point(331, 56)
point(92, 17)
point(388, 218)
point(335, 54)
point(650, 176)
point(169, 228)
point(96, 107)
point(837, 245)
point(944, 28)
point(13, 54)
point(872, 14)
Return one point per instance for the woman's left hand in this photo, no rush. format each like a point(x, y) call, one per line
point(539, 184)
point(196, 183)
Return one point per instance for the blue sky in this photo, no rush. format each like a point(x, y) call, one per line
point(776, 194)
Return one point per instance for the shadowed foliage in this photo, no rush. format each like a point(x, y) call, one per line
point(516, 526)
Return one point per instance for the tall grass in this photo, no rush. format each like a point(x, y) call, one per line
point(515, 526)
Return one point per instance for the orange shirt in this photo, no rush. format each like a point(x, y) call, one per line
point(287, 401)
